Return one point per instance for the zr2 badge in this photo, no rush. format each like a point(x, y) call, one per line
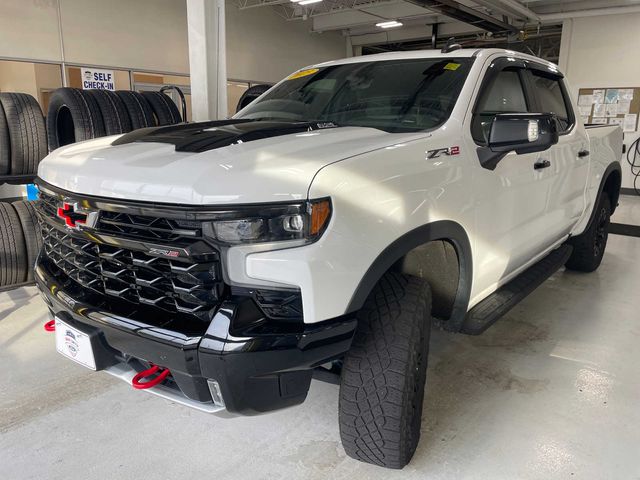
point(449, 151)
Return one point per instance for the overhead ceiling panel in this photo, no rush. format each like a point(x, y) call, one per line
point(344, 19)
point(398, 10)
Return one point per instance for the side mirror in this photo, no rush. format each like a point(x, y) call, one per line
point(519, 132)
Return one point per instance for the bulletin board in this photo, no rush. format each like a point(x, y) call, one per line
point(610, 106)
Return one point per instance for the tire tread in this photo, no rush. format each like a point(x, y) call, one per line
point(382, 389)
point(13, 257)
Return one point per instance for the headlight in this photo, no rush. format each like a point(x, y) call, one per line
point(273, 223)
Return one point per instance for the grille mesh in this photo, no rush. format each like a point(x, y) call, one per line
point(174, 285)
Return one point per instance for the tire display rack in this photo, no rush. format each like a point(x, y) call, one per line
point(23, 144)
point(26, 137)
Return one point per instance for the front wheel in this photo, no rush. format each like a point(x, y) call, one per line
point(384, 373)
point(588, 248)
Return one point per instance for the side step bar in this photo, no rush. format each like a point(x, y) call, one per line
point(485, 313)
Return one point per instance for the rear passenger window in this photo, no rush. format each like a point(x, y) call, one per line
point(552, 98)
point(505, 94)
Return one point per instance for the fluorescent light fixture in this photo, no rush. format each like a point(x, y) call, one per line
point(390, 24)
point(307, 2)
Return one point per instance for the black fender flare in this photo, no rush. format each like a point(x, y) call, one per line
point(613, 167)
point(446, 230)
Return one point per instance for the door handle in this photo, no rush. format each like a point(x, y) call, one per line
point(583, 153)
point(541, 164)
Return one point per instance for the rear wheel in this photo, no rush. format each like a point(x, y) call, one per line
point(384, 373)
point(588, 248)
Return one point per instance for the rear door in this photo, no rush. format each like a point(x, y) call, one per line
point(569, 161)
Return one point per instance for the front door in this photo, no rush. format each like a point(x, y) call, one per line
point(511, 201)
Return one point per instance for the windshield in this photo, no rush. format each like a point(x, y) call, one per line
point(394, 95)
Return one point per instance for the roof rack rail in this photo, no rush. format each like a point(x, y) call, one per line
point(450, 46)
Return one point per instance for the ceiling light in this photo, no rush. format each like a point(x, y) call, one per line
point(305, 2)
point(390, 24)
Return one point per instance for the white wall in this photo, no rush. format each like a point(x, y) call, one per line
point(29, 29)
point(262, 46)
point(152, 35)
point(147, 34)
point(18, 77)
point(603, 52)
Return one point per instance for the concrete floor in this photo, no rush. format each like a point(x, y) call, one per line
point(551, 391)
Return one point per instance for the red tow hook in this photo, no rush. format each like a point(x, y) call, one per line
point(50, 326)
point(162, 374)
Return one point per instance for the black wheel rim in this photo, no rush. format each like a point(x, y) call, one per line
point(602, 232)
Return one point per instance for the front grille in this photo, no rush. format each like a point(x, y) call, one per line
point(182, 285)
point(148, 228)
point(136, 227)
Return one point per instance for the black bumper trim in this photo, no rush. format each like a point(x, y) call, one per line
point(256, 372)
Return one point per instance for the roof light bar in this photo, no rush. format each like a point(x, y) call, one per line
point(389, 24)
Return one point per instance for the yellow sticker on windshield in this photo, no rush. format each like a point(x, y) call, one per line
point(452, 66)
point(302, 73)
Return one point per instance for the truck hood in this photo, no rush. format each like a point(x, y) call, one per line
point(226, 167)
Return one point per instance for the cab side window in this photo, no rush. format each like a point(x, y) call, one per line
point(505, 94)
point(552, 98)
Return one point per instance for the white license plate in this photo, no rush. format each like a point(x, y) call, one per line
point(74, 344)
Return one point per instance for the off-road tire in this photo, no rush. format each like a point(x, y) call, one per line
point(588, 248)
point(27, 134)
point(73, 116)
point(139, 110)
point(164, 109)
point(31, 232)
point(13, 252)
point(114, 113)
point(384, 373)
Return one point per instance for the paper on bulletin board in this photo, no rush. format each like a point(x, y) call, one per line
point(616, 121)
point(611, 96)
point(611, 109)
point(626, 94)
point(598, 96)
point(624, 106)
point(599, 110)
point(584, 100)
point(599, 121)
point(585, 110)
point(630, 122)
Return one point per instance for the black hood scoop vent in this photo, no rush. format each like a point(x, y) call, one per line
point(203, 136)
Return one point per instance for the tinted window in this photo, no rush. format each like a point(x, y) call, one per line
point(551, 98)
point(504, 94)
point(395, 96)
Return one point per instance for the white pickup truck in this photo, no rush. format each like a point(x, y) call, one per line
point(321, 230)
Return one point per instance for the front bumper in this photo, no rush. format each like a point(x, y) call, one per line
point(254, 373)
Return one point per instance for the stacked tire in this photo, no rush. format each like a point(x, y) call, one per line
point(20, 242)
point(250, 95)
point(23, 141)
point(75, 115)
